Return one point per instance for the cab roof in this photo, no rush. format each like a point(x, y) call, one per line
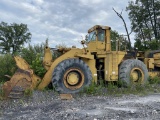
point(98, 26)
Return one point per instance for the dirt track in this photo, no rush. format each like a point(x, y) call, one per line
point(48, 106)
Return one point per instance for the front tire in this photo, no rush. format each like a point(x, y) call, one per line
point(133, 71)
point(71, 76)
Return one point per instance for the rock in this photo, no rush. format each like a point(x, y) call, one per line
point(66, 97)
point(154, 112)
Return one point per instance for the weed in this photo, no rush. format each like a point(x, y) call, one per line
point(21, 102)
point(1, 94)
point(119, 88)
point(95, 89)
point(154, 80)
point(28, 92)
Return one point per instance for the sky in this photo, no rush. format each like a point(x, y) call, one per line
point(64, 21)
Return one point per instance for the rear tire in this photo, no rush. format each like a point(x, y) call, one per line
point(71, 76)
point(133, 71)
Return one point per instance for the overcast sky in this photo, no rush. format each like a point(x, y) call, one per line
point(63, 21)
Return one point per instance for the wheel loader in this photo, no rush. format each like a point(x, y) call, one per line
point(77, 68)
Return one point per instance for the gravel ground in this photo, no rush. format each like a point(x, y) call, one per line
point(47, 105)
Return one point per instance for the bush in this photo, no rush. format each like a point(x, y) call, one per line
point(37, 66)
point(30, 53)
point(7, 66)
point(33, 56)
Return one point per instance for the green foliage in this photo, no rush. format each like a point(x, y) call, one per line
point(154, 80)
point(143, 15)
point(13, 37)
point(147, 45)
point(95, 89)
point(30, 53)
point(136, 89)
point(1, 94)
point(153, 45)
point(119, 40)
point(117, 89)
point(28, 92)
point(7, 66)
point(140, 45)
point(37, 66)
point(34, 57)
point(111, 86)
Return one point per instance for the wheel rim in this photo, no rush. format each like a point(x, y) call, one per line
point(137, 75)
point(73, 79)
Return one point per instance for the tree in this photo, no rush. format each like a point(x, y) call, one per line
point(120, 16)
point(119, 41)
point(143, 15)
point(13, 37)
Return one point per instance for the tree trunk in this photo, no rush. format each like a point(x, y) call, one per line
point(119, 15)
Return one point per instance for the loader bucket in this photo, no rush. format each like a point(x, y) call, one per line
point(23, 79)
point(19, 82)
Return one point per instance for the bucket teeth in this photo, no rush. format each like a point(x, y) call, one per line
point(17, 88)
point(16, 94)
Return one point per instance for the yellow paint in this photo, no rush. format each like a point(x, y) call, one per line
point(137, 75)
point(72, 78)
point(47, 61)
point(73, 53)
point(96, 50)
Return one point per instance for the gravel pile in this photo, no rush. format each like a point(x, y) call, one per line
point(47, 105)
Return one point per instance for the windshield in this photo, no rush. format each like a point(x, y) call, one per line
point(92, 36)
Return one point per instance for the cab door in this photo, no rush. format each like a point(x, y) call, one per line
point(101, 39)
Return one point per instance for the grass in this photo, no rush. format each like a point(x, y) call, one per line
point(116, 89)
point(94, 89)
point(1, 91)
point(155, 80)
point(28, 92)
point(111, 88)
point(1, 94)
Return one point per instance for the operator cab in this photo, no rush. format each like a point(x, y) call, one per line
point(98, 38)
point(100, 35)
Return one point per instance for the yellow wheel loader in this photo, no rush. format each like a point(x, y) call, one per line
point(77, 68)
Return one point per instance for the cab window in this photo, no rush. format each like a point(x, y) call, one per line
point(101, 35)
point(92, 36)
